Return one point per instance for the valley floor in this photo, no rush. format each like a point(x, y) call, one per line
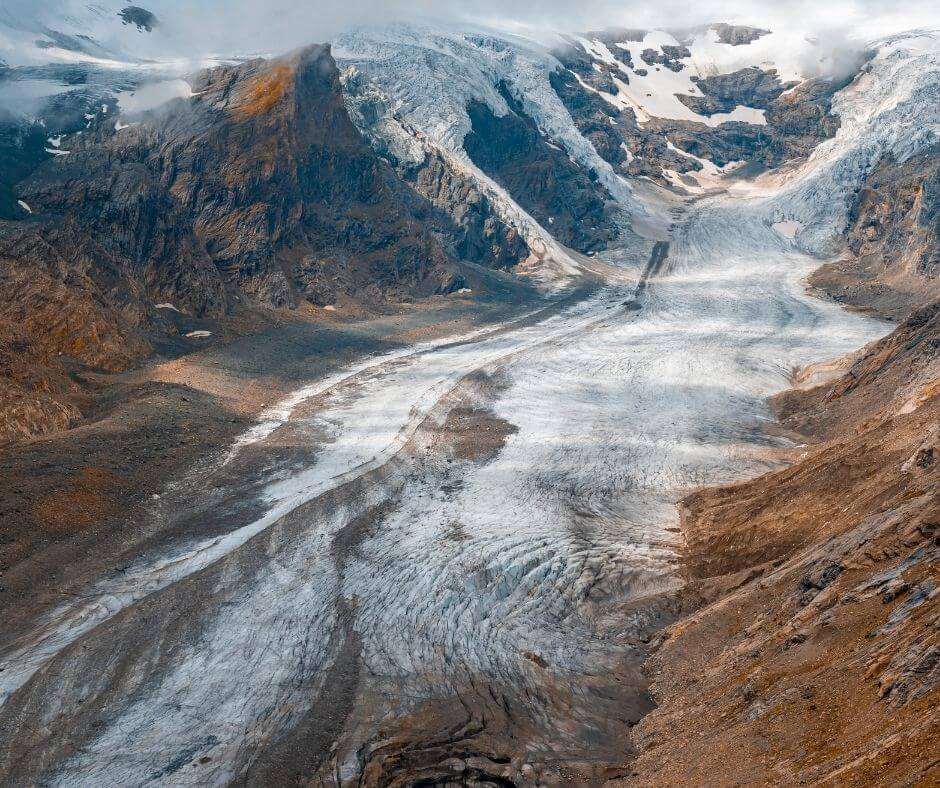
point(444, 561)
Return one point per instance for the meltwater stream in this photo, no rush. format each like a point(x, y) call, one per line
point(457, 580)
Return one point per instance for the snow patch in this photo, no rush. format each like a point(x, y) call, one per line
point(199, 334)
point(653, 95)
point(24, 206)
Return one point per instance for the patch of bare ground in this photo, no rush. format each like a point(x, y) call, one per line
point(811, 655)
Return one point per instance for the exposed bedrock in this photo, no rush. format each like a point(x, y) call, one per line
point(797, 121)
point(893, 238)
point(598, 75)
point(469, 226)
point(668, 56)
point(462, 217)
point(616, 136)
point(738, 35)
point(750, 87)
point(539, 175)
point(262, 177)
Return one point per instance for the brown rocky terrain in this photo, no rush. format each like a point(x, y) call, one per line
point(893, 259)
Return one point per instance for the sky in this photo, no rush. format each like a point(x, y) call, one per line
point(258, 25)
point(282, 19)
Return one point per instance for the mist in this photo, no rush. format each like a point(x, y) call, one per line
point(217, 26)
point(188, 29)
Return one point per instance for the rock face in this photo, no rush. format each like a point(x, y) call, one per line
point(598, 75)
point(463, 218)
point(139, 17)
point(257, 191)
point(615, 134)
point(466, 223)
point(893, 238)
point(738, 35)
point(798, 117)
point(539, 176)
point(751, 87)
point(798, 120)
point(668, 56)
point(263, 184)
point(898, 215)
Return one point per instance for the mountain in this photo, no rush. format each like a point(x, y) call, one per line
point(257, 190)
point(278, 333)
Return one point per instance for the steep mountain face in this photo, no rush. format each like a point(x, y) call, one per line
point(539, 176)
point(466, 219)
point(259, 190)
point(262, 183)
point(893, 239)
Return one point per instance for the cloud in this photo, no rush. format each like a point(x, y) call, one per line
point(268, 26)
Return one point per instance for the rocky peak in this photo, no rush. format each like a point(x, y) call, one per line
point(257, 190)
point(751, 87)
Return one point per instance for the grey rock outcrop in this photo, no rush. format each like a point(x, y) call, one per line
point(539, 176)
